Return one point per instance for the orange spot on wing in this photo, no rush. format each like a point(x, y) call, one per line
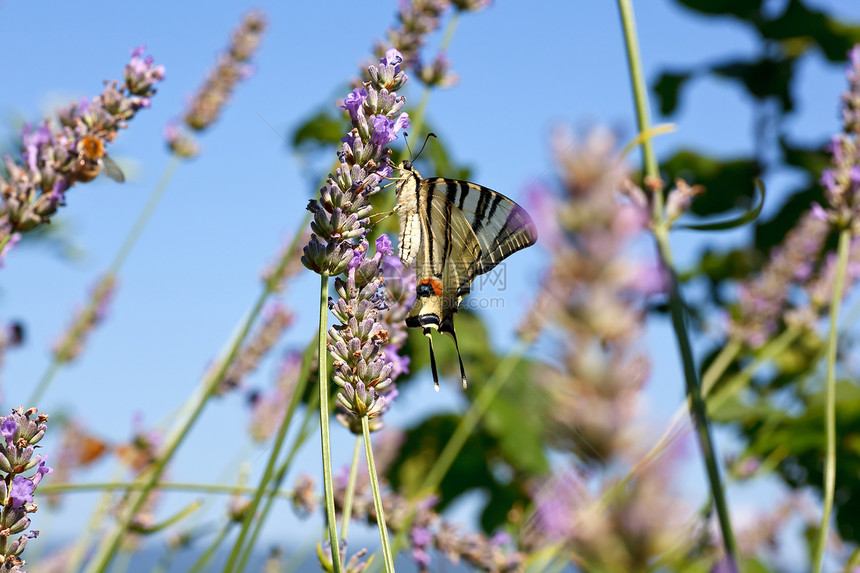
point(434, 284)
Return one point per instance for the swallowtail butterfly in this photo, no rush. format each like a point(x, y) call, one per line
point(453, 231)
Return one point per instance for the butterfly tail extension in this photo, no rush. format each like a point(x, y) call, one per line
point(448, 328)
point(432, 360)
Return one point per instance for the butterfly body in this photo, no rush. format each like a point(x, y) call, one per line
point(453, 231)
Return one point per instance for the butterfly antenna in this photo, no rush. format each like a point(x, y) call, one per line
point(406, 139)
point(460, 358)
point(432, 360)
point(426, 139)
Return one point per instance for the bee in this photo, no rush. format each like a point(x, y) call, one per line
point(92, 159)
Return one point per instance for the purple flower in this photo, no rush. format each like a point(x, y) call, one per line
point(385, 129)
point(206, 104)
point(383, 246)
point(43, 471)
point(421, 536)
point(392, 58)
point(8, 429)
point(400, 364)
point(354, 101)
point(828, 179)
point(21, 491)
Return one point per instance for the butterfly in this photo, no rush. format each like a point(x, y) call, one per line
point(453, 231)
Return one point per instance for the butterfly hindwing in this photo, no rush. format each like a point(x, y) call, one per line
point(501, 226)
point(453, 231)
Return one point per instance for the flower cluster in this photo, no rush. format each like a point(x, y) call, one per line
point(769, 298)
point(20, 435)
point(361, 367)
point(417, 19)
point(429, 531)
point(206, 105)
point(71, 344)
point(340, 214)
point(594, 296)
point(56, 157)
point(842, 181)
point(764, 300)
point(597, 295)
point(641, 522)
point(276, 320)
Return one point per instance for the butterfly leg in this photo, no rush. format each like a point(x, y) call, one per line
point(382, 216)
point(432, 360)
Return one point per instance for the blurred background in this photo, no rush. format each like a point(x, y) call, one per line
point(749, 101)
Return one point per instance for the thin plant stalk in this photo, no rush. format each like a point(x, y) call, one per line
point(304, 434)
point(720, 364)
point(328, 482)
point(129, 242)
point(676, 306)
point(207, 555)
point(462, 432)
point(830, 402)
point(108, 548)
point(350, 489)
point(377, 497)
point(264, 487)
point(82, 547)
point(269, 471)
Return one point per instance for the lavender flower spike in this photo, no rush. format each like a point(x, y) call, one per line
point(341, 212)
point(205, 106)
point(19, 434)
point(58, 154)
point(361, 367)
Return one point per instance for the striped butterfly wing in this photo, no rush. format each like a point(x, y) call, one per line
point(500, 226)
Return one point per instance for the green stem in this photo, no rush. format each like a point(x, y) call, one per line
point(377, 497)
point(643, 114)
point(207, 555)
point(46, 379)
point(145, 215)
point(830, 403)
point(462, 432)
point(350, 489)
point(259, 520)
point(269, 471)
point(304, 434)
point(721, 363)
point(697, 404)
point(167, 486)
point(108, 548)
point(328, 482)
point(676, 305)
point(119, 259)
point(5, 241)
point(773, 348)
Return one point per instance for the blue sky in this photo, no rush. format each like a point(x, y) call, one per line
point(524, 69)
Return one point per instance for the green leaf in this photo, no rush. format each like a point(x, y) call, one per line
point(799, 25)
point(743, 9)
point(748, 217)
point(764, 78)
point(667, 88)
point(320, 130)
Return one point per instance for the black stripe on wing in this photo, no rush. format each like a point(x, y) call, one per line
point(500, 225)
